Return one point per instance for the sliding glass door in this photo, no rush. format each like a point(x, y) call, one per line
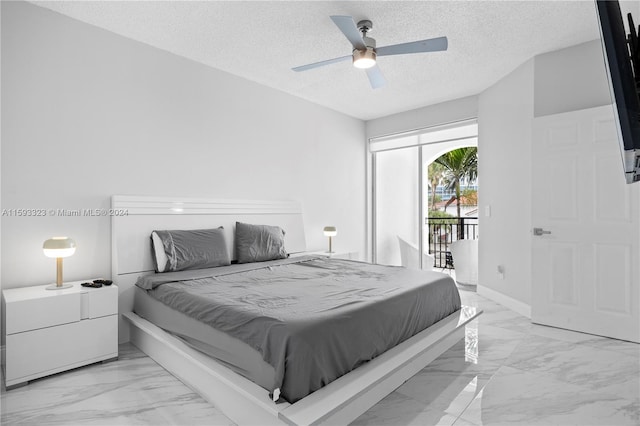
point(400, 190)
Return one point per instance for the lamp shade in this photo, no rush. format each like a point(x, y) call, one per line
point(59, 247)
point(330, 231)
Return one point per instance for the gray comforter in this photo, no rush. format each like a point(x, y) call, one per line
point(312, 319)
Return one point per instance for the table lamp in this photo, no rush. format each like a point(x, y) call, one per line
point(330, 231)
point(59, 247)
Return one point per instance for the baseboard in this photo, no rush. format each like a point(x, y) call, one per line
point(509, 302)
point(2, 373)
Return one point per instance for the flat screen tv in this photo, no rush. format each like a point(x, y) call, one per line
point(622, 60)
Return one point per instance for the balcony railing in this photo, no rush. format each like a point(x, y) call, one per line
point(444, 231)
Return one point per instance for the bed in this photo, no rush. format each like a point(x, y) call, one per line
point(244, 375)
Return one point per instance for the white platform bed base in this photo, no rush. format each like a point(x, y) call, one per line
point(244, 402)
point(338, 403)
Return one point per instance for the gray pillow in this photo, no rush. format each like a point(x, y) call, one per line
point(192, 249)
point(257, 243)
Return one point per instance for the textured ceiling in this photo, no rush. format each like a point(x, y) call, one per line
point(263, 40)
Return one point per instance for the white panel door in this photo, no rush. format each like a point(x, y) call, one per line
point(586, 269)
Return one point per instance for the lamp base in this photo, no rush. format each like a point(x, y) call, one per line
point(56, 287)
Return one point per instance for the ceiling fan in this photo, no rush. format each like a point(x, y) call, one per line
point(365, 51)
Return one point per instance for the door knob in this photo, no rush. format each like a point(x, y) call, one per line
point(540, 231)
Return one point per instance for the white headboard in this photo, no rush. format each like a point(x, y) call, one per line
point(135, 217)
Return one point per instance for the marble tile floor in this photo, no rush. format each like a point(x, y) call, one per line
point(512, 372)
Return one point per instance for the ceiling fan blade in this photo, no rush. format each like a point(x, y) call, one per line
point(321, 63)
point(350, 31)
point(429, 45)
point(375, 77)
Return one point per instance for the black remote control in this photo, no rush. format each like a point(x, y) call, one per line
point(92, 285)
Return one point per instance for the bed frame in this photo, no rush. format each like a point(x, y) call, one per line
point(244, 402)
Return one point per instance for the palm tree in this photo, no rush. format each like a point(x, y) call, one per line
point(459, 164)
point(435, 174)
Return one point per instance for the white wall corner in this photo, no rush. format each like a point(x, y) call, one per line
point(506, 301)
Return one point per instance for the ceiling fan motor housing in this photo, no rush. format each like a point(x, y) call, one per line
point(369, 42)
point(364, 27)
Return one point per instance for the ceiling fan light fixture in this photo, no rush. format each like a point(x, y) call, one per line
point(364, 59)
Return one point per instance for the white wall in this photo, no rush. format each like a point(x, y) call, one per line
point(570, 79)
point(504, 147)
point(87, 114)
point(421, 118)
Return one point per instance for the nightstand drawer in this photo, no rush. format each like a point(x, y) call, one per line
point(50, 350)
point(32, 314)
point(100, 302)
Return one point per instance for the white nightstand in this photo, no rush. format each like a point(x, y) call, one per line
point(49, 331)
